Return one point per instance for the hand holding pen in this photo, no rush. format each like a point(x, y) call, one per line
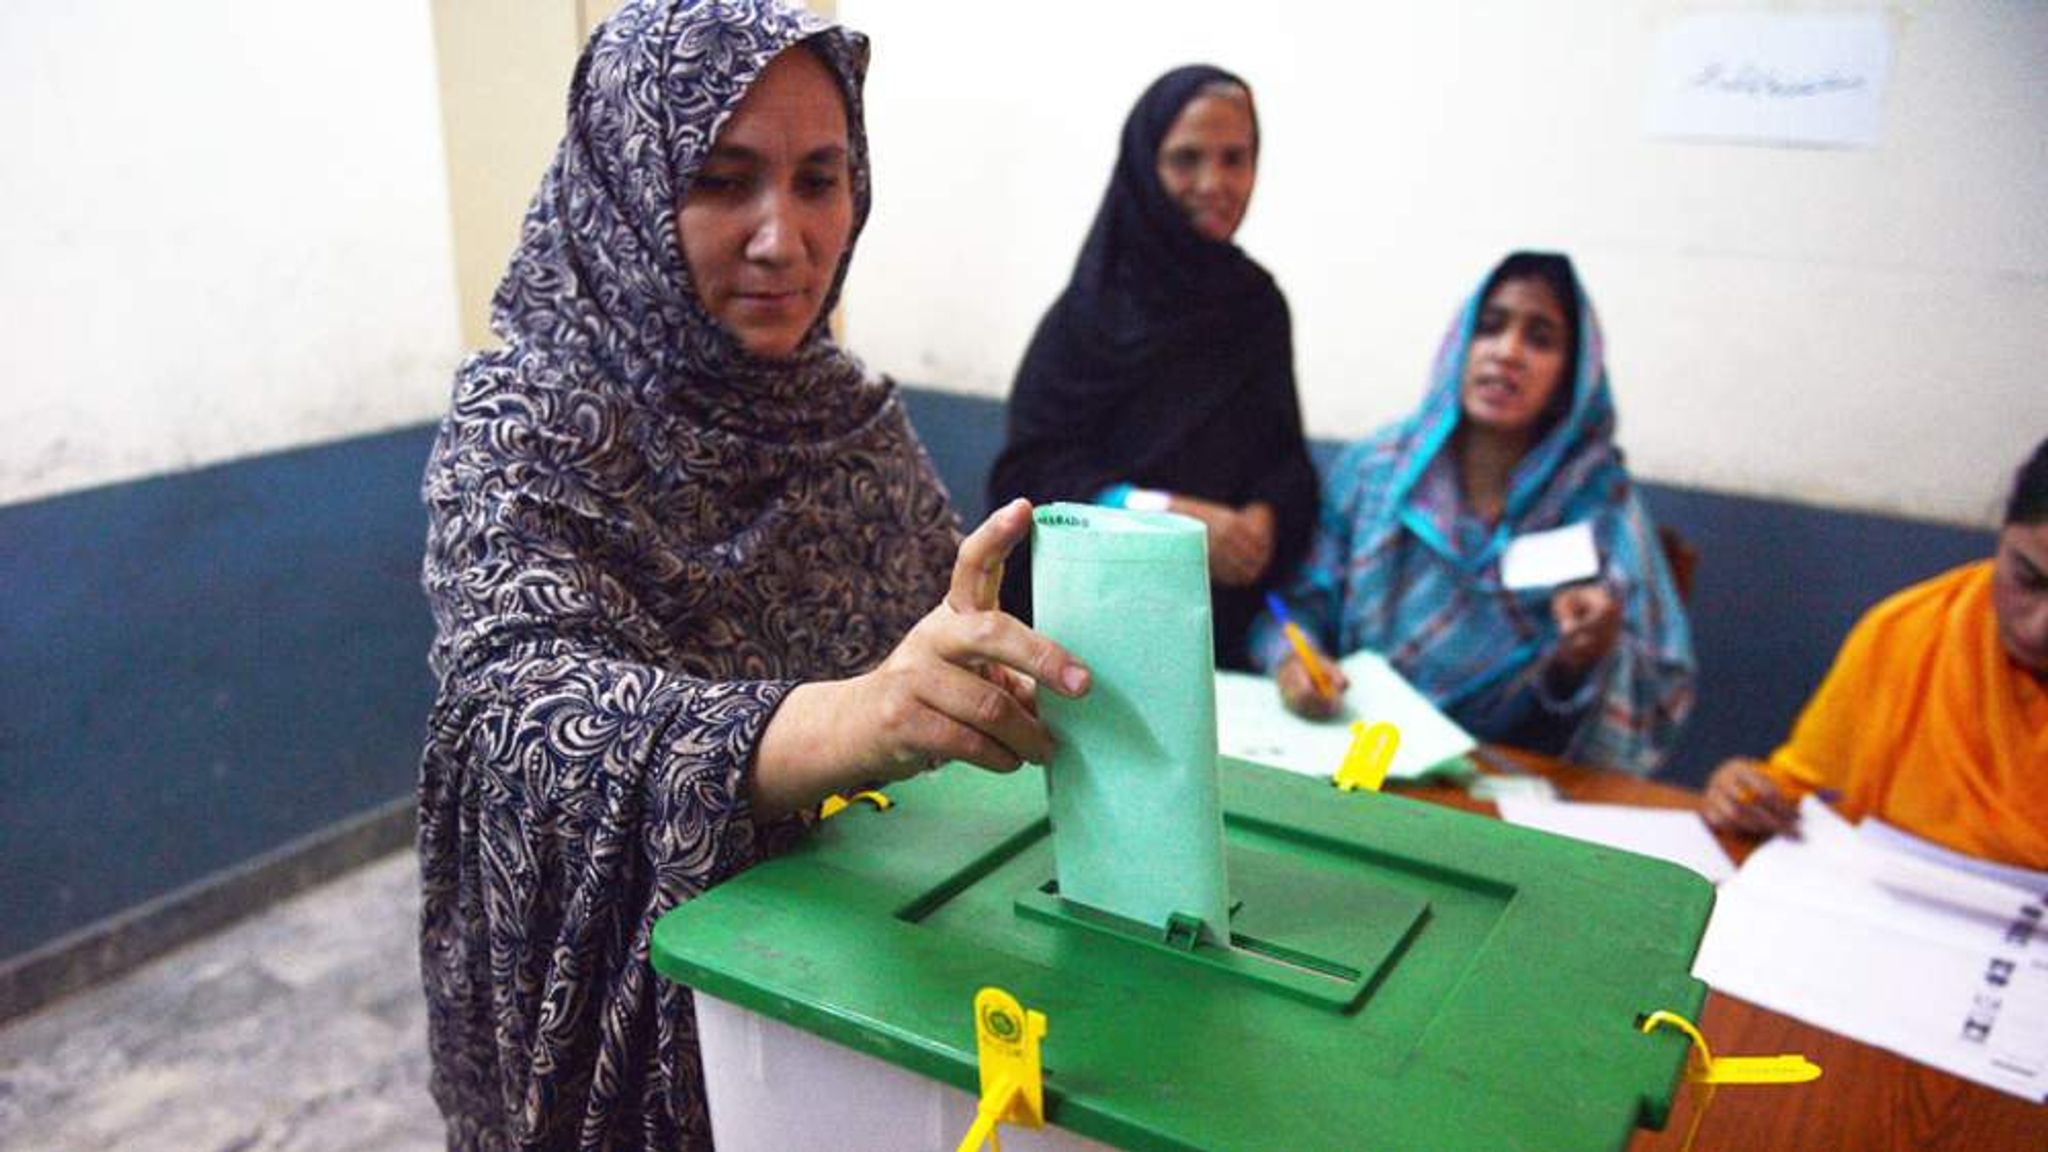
point(1311, 684)
point(1741, 798)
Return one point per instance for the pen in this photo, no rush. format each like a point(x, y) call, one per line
point(1829, 796)
point(1505, 765)
point(1302, 648)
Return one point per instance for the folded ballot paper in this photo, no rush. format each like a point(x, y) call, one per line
point(1252, 724)
point(1137, 821)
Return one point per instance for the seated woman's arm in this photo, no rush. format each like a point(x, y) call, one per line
point(1632, 702)
point(1315, 594)
point(1289, 486)
point(1289, 491)
point(1761, 797)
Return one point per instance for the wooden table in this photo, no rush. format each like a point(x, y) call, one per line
point(1866, 1099)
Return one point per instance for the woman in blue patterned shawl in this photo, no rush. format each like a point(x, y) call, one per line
point(683, 557)
point(1515, 436)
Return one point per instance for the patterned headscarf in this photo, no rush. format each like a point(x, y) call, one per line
point(1145, 274)
point(639, 537)
point(621, 410)
point(1571, 470)
point(598, 275)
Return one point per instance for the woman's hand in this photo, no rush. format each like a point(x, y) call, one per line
point(1741, 798)
point(1298, 688)
point(1588, 624)
point(1240, 539)
point(960, 686)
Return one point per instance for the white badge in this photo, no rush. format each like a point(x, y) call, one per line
point(1547, 559)
point(1147, 500)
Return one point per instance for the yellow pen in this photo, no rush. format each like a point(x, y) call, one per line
point(1302, 648)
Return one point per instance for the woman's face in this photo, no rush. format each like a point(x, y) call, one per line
point(765, 222)
point(2019, 594)
point(1517, 360)
point(1209, 159)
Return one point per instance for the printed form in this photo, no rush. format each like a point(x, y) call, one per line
point(1891, 945)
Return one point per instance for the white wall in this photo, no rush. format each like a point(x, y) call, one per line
point(225, 227)
point(1863, 329)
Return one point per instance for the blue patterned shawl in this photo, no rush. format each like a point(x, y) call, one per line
point(639, 537)
point(1401, 566)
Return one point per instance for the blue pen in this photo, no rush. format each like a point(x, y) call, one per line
point(1317, 676)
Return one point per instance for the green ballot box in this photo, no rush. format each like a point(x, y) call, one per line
point(1396, 976)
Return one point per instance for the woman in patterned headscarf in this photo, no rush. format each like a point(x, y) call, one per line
point(1163, 376)
point(1515, 437)
point(683, 556)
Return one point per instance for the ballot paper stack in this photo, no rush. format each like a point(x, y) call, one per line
point(1891, 941)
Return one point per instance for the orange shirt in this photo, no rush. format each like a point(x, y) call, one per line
point(1926, 723)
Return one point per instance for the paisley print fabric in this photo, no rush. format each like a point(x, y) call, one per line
point(639, 537)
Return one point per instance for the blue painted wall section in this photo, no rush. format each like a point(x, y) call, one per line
point(963, 435)
point(201, 668)
point(1777, 589)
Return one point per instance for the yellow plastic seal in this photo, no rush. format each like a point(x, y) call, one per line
point(1705, 1069)
point(1371, 755)
point(1006, 1037)
point(834, 805)
point(1709, 1072)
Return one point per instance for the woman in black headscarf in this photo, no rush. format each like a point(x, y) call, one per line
point(1163, 377)
point(682, 555)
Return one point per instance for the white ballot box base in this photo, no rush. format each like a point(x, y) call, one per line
point(775, 1088)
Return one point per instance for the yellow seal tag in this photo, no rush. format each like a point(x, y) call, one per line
point(1006, 1037)
point(1706, 1069)
point(835, 804)
point(1371, 755)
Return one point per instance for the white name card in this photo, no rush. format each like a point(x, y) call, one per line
point(1547, 559)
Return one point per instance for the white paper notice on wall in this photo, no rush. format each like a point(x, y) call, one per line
point(1813, 80)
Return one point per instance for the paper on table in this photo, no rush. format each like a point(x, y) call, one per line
point(1883, 835)
point(1547, 559)
point(1137, 818)
point(1816, 929)
point(1667, 833)
point(1252, 724)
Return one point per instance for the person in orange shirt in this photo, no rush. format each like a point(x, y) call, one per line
point(1934, 717)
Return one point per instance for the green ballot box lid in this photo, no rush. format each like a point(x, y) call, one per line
point(1397, 975)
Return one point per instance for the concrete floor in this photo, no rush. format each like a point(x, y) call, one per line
point(301, 1029)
